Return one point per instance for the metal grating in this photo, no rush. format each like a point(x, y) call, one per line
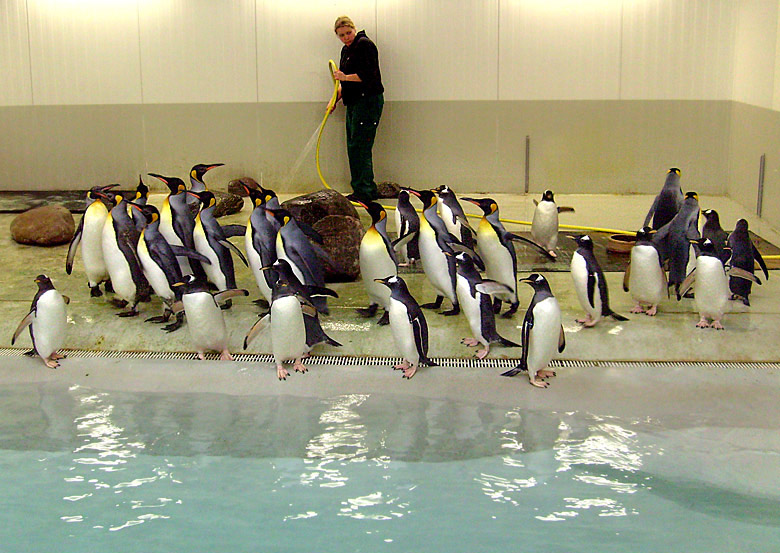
point(351, 360)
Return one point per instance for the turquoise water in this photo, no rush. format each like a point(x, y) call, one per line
point(82, 470)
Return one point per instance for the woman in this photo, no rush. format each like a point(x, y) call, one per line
point(360, 89)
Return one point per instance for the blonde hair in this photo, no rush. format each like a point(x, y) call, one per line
point(342, 21)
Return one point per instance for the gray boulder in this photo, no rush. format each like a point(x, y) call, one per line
point(48, 225)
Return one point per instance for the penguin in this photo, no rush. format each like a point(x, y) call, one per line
point(260, 241)
point(160, 266)
point(119, 241)
point(711, 287)
point(667, 203)
point(716, 234)
point(474, 297)
point(744, 255)
point(305, 257)
point(211, 241)
point(205, 322)
point(590, 284)
point(409, 328)
point(674, 239)
point(90, 235)
point(177, 223)
point(47, 320)
point(435, 242)
point(542, 333)
point(544, 225)
point(645, 276)
point(454, 217)
point(197, 185)
point(407, 223)
point(377, 260)
point(141, 197)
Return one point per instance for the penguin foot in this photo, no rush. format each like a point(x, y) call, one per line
point(454, 311)
point(434, 304)
point(471, 342)
point(552, 254)
point(384, 319)
point(652, 311)
point(702, 323)
point(201, 356)
point(51, 363)
point(511, 311)
point(109, 287)
point(588, 321)
point(118, 303)
point(410, 371)
point(95, 292)
point(401, 366)
point(131, 313)
point(538, 383)
point(261, 302)
point(158, 319)
point(57, 355)
point(481, 354)
point(544, 373)
point(367, 312)
point(637, 309)
point(717, 326)
point(226, 305)
point(299, 366)
point(281, 372)
point(176, 325)
point(225, 355)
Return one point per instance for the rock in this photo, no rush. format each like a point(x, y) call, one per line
point(227, 203)
point(48, 225)
point(236, 186)
point(388, 189)
point(313, 207)
point(341, 235)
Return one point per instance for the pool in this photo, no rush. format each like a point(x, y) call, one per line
point(88, 470)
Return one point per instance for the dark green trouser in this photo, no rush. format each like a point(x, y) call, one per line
point(362, 120)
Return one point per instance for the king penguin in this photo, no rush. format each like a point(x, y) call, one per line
point(544, 225)
point(409, 327)
point(744, 255)
point(542, 333)
point(645, 276)
point(454, 217)
point(590, 284)
point(260, 242)
point(90, 235)
point(377, 260)
point(667, 203)
point(674, 240)
point(474, 297)
point(141, 197)
point(197, 183)
point(407, 223)
point(48, 321)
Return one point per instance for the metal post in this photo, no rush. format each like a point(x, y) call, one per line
point(760, 202)
point(527, 163)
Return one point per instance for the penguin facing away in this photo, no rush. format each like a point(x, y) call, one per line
point(716, 234)
point(542, 333)
point(667, 203)
point(744, 255)
point(407, 223)
point(47, 320)
point(674, 239)
point(141, 197)
point(409, 327)
point(645, 276)
point(590, 284)
point(544, 225)
point(454, 217)
point(377, 260)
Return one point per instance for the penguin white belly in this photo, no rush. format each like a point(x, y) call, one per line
point(711, 288)
point(403, 335)
point(375, 262)
point(117, 265)
point(402, 252)
point(579, 274)
point(213, 270)
point(205, 322)
point(92, 243)
point(446, 216)
point(434, 262)
point(154, 274)
point(544, 226)
point(288, 333)
point(256, 264)
point(646, 280)
point(282, 254)
point(49, 323)
point(498, 262)
point(543, 338)
point(166, 229)
point(469, 306)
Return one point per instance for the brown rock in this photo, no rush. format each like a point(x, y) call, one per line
point(236, 186)
point(48, 225)
point(227, 203)
point(313, 207)
point(388, 189)
point(341, 235)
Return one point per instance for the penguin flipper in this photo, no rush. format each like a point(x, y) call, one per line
point(225, 295)
point(74, 244)
point(401, 241)
point(652, 211)
point(27, 321)
point(260, 325)
point(458, 247)
point(561, 341)
point(315, 291)
point(420, 330)
point(491, 287)
point(742, 273)
point(309, 231)
point(627, 276)
point(181, 251)
point(229, 245)
point(565, 209)
point(517, 237)
point(760, 260)
point(687, 284)
point(66, 299)
point(234, 230)
point(591, 288)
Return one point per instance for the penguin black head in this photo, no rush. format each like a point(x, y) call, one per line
point(201, 169)
point(174, 184)
point(706, 246)
point(674, 170)
point(268, 194)
point(376, 211)
point(205, 197)
point(645, 234)
point(255, 195)
point(537, 282)
point(44, 283)
point(151, 214)
point(427, 197)
point(141, 191)
point(692, 195)
point(281, 215)
point(548, 196)
point(487, 205)
point(712, 216)
point(393, 282)
point(444, 190)
point(111, 197)
point(583, 241)
point(94, 192)
point(191, 284)
point(741, 226)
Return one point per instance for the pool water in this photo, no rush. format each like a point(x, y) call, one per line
point(84, 470)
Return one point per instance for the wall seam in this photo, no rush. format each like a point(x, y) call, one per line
point(29, 50)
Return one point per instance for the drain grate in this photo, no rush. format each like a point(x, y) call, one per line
point(351, 360)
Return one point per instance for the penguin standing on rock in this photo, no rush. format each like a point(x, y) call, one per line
point(645, 276)
point(377, 260)
point(590, 284)
point(47, 320)
point(542, 333)
point(474, 297)
point(544, 225)
point(407, 223)
point(667, 203)
point(744, 255)
point(454, 217)
point(409, 327)
point(90, 235)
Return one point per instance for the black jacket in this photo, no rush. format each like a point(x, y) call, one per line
point(362, 58)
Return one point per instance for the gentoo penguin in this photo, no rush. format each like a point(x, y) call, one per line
point(590, 284)
point(377, 260)
point(120, 240)
point(305, 257)
point(474, 297)
point(667, 203)
point(544, 225)
point(47, 320)
point(260, 242)
point(744, 255)
point(177, 223)
point(542, 333)
point(674, 239)
point(408, 325)
point(407, 223)
point(205, 322)
point(435, 243)
point(211, 241)
point(454, 217)
point(711, 286)
point(716, 234)
point(197, 184)
point(645, 276)
point(141, 197)
point(161, 268)
point(90, 235)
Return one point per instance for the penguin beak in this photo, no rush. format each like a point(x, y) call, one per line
point(213, 166)
point(178, 284)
